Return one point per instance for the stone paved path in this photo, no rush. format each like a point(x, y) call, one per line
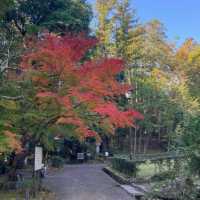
point(85, 182)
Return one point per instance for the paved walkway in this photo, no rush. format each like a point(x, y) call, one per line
point(85, 182)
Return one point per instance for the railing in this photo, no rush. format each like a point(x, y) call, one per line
point(155, 157)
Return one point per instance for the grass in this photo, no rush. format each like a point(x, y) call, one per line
point(146, 170)
point(150, 168)
point(8, 195)
point(14, 195)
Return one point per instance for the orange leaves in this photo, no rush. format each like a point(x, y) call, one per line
point(55, 54)
point(70, 120)
point(13, 142)
point(86, 90)
point(100, 77)
point(116, 117)
point(84, 132)
point(46, 94)
point(183, 52)
point(80, 128)
point(42, 81)
point(135, 114)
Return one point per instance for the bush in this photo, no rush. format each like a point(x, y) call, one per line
point(57, 161)
point(195, 164)
point(124, 166)
point(162, 176)
point(3, 168)
point(178, 188)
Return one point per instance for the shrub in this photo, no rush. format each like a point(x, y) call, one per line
point(162, 176)
point(124, 166)
point(57, 161)
point(195, 164)
point(178, 188)
point(3, 168)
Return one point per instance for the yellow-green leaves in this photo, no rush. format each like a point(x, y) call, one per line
point(8, 104)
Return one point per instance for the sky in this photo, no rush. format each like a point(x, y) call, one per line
point(181, 18)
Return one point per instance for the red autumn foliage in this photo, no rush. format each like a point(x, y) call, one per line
point(118, 118)
point(83, 89)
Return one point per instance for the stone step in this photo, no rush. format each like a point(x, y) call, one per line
point(141, 188)
point(134, 192)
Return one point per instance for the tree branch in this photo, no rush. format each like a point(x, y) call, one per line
point(7, 68)
point(12, 98)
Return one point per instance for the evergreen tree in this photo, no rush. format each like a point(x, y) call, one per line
point(125, 23)
point(54, 15)
point(105, 9)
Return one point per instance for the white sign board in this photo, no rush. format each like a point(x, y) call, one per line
point(106, 154)
point(80, 156)
point(38, 158)
point(98, 148)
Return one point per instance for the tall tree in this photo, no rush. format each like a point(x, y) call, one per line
point(55, 15)
point(79, 96)
point(193, 72)
point(125, 23)
point(105, 29)
point(187, 65)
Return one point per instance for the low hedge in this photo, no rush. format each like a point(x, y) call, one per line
point(124, 166)
point(57, 161)
point(162, 176)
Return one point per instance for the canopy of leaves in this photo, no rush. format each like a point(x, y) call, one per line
point(5, 6)
point(9, 135)
point(190, 142)
point(82, 93)
point(54, 15)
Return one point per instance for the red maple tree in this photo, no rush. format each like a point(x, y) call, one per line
point(85, 90)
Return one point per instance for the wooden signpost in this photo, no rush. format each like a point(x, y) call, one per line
point(38, 165)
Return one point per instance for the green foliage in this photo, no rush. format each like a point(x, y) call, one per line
point(57, 16)
point(180, 189)
point(19, 19)
point(5, 5)
point(57, 161)
point(115, 20)
point(165, 79)
point(191, 141)
point(162, 176)
point(105, 26)
point(124, 166)
point(10, 113)
point(126, 20)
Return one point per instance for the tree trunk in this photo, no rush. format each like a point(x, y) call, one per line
point(131, 143)
point(146, 143)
